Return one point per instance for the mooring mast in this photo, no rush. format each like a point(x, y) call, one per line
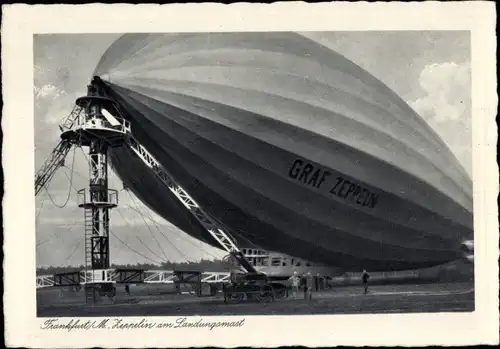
point(96, 123)
point(92, 129)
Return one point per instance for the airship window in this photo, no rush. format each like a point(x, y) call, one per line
point(276, 262)
point(298, 263)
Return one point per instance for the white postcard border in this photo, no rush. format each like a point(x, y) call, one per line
point(20, 22)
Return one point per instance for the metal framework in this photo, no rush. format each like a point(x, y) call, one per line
point(218, 233)
point(51, 165)
point(88, 125)
point(148, 277)
point(90, 128)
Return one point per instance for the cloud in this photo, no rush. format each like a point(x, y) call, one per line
point(48, 92)
point(446, 106)
point(52, 104)
point(447, 92)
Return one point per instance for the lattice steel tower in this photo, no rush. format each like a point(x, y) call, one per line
point(100, 132)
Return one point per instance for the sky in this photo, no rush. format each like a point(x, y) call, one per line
point(429, 70)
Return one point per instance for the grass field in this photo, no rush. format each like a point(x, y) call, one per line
point(344, 300)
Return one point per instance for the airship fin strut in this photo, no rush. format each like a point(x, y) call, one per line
point(218, 233)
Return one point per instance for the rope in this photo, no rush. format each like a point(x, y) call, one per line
point(159, 230)
point(133, 250)
point(180, 236)
point(41, 243)
point(70, 185)
point(121, 241)
point(142, 216)
point(73, 252)
point(150, 232)
point(156, 224)
point(127, 223)
point(150, 250)
point(68, 226)
point(40, 210)
point(166, 238)
point(78, 174)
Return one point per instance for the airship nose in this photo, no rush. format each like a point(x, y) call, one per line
point(467, 248)
point(105, 77)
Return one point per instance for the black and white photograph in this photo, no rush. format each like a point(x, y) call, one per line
point(253, 173)
point(196, 174)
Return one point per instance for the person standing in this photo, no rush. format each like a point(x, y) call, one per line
point(319, 282)
point(294, 282)
point(365, 277)
point(308, 286)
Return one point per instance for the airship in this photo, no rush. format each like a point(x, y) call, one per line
point(290, 146)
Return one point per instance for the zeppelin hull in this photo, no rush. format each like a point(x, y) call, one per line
point(332, 168)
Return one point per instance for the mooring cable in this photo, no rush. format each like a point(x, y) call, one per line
point(132, 249)
point(180, 236)
point(166, 238)
point(70, 184)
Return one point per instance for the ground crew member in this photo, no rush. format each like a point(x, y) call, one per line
point(365, 277)
point(308, 286)
point(318, 282)
point(294, 282)
point(127, 290)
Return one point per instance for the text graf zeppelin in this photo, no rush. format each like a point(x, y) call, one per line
point(314, 176)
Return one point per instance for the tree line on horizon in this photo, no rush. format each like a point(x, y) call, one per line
point(202, 265)
point(456, 271)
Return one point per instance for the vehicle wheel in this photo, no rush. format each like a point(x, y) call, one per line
point(280, 293)
point(265, 296)
point(235, 297)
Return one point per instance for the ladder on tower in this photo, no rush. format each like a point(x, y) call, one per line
point(89, 232)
